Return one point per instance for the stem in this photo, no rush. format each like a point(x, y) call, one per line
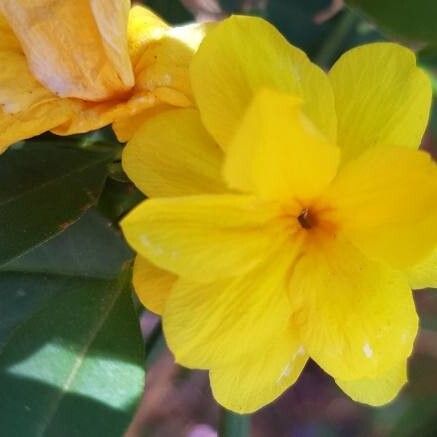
point(234, 425)
point(154, 345)
point(332, 43)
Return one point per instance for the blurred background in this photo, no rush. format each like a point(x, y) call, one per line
point(178, 402)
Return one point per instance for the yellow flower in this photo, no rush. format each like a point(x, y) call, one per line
point(75, 66)
point(290, 215)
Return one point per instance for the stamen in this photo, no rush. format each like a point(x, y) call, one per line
point(306, 219)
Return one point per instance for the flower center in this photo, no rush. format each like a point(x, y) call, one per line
point(307, 219)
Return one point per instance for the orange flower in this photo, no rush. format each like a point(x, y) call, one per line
point(72, 67)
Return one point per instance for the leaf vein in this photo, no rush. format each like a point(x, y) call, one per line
point(53, 407)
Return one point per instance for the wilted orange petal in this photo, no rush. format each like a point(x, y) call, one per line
point(26, 107)
point(88, 58)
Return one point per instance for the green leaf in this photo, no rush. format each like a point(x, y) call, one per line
point(427, 59)
point(21, 296)
point(44, 188)
point(75, 367)
point(118, 198)
point(172, 11)
point(412, 20)
point(91, 247)
point(322, 39)
point(48, 317)
point(296, 20)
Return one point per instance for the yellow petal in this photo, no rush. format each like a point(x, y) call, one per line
point(356, 317)
point(277, 153)
point(381, 97)
point(259, 378)
point(76, 49)
point(172, 97)
point(152, 284)
point(26, 108)
point(125, 127)
point(376, 391)
point(205, 237)
point(173, 155)
point(386, 203)
point(240, 56)
point(424, 274)
point(143, 27)
point(216, 324)
point(163, 64)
